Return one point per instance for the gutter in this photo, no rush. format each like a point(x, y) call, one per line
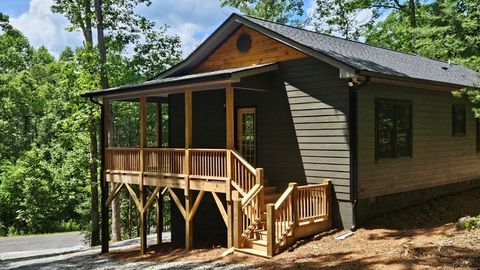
point(354, 86)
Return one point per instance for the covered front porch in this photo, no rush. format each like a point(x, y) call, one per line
point(229, 173)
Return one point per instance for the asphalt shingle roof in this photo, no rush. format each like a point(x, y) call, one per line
point(363, 57)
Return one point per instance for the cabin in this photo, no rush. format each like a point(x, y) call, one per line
point(276, 133)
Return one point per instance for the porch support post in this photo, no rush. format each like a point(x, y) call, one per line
point(230, 130)
point(188, 143)
point(105, 234)
point(229, 107)
point(143, 190)
point(158, 124)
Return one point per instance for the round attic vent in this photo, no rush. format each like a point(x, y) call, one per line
point(243, 42)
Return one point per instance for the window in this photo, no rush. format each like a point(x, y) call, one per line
point(458, 120)
point(393, 124)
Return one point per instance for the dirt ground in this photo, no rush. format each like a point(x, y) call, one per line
point(419, 237)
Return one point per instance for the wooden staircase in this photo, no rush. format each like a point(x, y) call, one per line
point(274, 221)
point(256, 242)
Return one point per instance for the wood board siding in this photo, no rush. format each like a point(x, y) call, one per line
point(302, 129)
point(319, 105)
point(263, 50)
point(438, 157)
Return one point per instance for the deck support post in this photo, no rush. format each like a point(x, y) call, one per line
point(105, 234)
point(237, 223)
point(143, 194)
point(159, 218)
point(230, 130)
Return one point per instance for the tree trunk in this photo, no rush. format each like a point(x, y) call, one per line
point(116, 231)
point(116, 226)
point(101, 45)
point(95, 240)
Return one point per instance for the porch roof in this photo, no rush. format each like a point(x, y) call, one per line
point(201, 81)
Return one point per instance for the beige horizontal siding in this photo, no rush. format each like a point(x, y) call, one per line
point(438, 157)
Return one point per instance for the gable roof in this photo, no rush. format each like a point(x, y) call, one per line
point(350, 56)
point(199, 81)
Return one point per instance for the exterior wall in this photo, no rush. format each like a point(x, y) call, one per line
point(302, 131)
point(438, 157)
point(263, 50)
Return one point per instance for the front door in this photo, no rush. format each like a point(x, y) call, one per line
point(246, 134)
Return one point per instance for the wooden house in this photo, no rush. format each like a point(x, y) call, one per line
point(276, 133)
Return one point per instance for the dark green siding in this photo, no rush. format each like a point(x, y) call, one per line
point(302, 129)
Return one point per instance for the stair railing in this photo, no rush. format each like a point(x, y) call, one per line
point(298, 206)
point(248, 198)
point(244, 176)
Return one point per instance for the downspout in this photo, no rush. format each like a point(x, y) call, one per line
point(354, 85)
point(103, 183)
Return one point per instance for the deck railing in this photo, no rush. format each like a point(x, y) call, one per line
point(166, 161)
point(312, 202)
point(208, 163)
point(122, 159)
point(211, 164)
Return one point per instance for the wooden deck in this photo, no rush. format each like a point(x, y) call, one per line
point(254, 225)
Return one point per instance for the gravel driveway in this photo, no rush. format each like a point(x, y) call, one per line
point(40, 255)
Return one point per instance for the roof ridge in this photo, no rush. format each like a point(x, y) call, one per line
point(344, 39)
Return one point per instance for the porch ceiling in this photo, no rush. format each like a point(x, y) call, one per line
point(195, 82)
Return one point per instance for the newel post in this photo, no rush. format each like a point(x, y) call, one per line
point(260, 180)
point(294, 205)
point(328, 199)
point(271, 239)
point(237, 222)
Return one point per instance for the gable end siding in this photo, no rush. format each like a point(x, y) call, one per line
point(263, 50)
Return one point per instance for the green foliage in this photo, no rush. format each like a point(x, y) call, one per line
point(341, 17)
point(44, 126)
point(472, 222)
point(282, 11)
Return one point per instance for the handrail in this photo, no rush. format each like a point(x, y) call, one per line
point(283, 198)
point(296, 207)
point(243, 161)
point(251, 195)
point(313, 202)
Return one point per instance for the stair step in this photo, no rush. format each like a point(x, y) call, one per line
point(251, 251)
point(259, 244)
point(269, 189)
point(271, 198)
point(261, 235)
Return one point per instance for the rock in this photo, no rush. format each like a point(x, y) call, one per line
point(460, 225)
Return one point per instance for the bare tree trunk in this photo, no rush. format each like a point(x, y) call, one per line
point(102, 50)
point(116, 203)
point(116, 226)
point(95, 240)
